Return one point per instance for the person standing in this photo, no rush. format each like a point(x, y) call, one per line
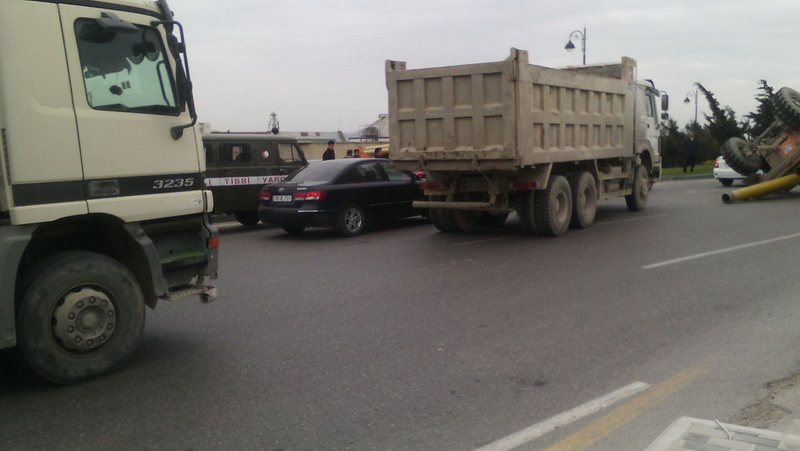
point(690, 147)
point(329, 154)
point(379, 153)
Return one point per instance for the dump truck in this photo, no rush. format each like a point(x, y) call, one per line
point(103, 208)
point(776, 152)
point(498, 137)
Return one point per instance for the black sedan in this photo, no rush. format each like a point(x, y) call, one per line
point(343, 194)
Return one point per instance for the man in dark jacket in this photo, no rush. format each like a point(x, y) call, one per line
point(329, 153)
point(690, 147)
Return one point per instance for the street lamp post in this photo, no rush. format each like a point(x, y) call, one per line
point(574, 35)
point(687, 100)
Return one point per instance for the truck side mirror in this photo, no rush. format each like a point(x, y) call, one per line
point(664, 102)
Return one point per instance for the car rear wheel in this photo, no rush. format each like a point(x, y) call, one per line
point(726, 182)
point(294, 230)
point(352, 220)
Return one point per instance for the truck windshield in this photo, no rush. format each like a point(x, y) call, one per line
point(125, 71)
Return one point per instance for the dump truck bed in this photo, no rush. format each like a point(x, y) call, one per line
point(509, 114)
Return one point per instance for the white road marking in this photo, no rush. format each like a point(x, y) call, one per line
point(468, 243)
point(720, 251)
point(638, 218)
point(538, 430)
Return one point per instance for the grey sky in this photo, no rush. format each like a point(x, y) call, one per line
point(320, 64)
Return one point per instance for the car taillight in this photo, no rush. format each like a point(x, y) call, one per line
point(265, 194)
point(213, 243)
point(310, 195)
point(716, 163)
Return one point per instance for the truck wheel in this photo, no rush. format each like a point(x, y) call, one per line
point(81, 317)
point(493, 219)
point(554, 207)
point(637, 200)
point(444, 220)
point(352, 220)
point(526, 210)
point(464, 220)
point(584, 199)
point(787, 106)
point(741, 161)
point(248, 218)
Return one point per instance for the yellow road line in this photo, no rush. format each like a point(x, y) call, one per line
point(603, 427)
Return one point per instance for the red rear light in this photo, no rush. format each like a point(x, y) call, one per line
point(716, 163)
point(311, 195)
point(213, 243)
point(265, 194)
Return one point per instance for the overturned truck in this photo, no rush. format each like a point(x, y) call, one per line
point(775, 152)
point(507, 136)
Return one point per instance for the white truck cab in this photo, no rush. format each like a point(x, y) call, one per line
point(103, 208)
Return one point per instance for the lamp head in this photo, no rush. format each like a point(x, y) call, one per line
point(686, 100)
point(570, 46)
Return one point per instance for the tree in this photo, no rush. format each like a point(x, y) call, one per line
point(722, 123)
point(764, 115)
point(671, 144)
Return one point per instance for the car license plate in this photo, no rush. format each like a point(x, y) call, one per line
point(282, 198)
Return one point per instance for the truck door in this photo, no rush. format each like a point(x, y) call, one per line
point(125, 101)
point(652, 131)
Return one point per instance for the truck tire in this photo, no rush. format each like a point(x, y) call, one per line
point(493, 219)
point(443, 219)
point(526, 211)
point(584, 199)
point(637, 200)
point(248, 218)
point(81, 316)
point(787, 107)
point(465, 221)
point(734, 152)
point(554, 207)
point(352, 220)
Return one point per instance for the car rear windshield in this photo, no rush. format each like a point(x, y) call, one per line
point(318, 172)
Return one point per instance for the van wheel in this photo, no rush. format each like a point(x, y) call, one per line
point(352, 220)
point(637, 200)
point(248, 218)
point(584, 199)
point(81, 317)
point(554, 207)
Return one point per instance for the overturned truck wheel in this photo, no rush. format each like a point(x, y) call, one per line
point(787, 107)
point(739, 157)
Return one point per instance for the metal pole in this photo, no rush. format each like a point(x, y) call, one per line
point(695, 105)
point(584, 46)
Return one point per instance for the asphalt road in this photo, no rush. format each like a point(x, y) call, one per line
point(407, 338)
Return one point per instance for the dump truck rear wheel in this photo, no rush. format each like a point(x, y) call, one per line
point(584, 199)
point(787, 106)
point(637, 200)
point(554, 207)
point(526, 210)
point(734, 152)
point(464, 220)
